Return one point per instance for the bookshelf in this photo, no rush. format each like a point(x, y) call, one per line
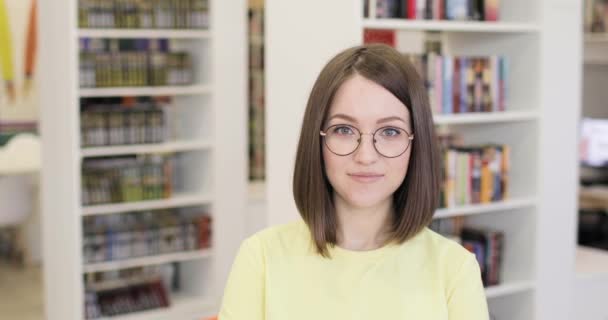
point(147, 261)
point(451, 26)
point(538, 215)
point(144, 33)
point(205, 125)
point(485, 117)
point(166, 147)
point(139, 91)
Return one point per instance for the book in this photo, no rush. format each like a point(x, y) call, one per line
point(456, 86)
point(379, 36)
point(491, 9)
point(447, 88)
point(411, 9)
point(175, 14)
point(473, 174)
point(457, 10)
point(487, 245)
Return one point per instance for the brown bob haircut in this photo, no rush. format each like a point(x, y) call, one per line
point(415, 201)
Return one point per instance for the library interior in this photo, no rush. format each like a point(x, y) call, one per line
point(150, 152)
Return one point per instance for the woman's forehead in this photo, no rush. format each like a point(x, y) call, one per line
point(363, 100)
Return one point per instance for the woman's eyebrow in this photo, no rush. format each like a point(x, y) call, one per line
point(343, 116)
point(389, 119)
point(351, 119)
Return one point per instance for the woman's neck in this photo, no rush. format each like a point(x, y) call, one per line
point(362, 229)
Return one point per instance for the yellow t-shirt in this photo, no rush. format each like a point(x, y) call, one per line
point(278, 276)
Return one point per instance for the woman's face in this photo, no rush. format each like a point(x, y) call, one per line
point(365, 178)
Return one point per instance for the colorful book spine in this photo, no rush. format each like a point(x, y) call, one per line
point(411, 9)
point(491, 10)
point(502, 84)
point(464, 106)
point(448, 71)
point(439, 84)
point(457, 10)
point(495, 82)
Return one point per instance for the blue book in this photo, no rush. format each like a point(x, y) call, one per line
point(464, 105)
point(457, 9)
point(448, 91)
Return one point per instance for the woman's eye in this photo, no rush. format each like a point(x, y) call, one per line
point(391, 132)
point(343, 130)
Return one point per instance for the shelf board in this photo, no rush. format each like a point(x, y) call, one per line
point(144, 91)
point(599, 37)
point(452, 26)
point(485, 208)
point(485, 117)
point(508, 289)
point(147, 261)
point(591, 262)
point(177, 201)
point(166, 147)
point(144, 33)
point(596, 62)
point(182, 307)
point(257, 191)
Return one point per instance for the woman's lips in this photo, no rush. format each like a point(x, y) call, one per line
point(366, 177)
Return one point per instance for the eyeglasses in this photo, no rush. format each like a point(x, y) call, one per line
point(343, 139)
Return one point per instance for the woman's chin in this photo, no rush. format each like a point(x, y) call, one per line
point(365, 200)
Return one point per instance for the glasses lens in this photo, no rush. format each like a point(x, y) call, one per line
point(342, 139)
point(391, 142)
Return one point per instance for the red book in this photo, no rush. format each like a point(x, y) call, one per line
point(491, 10)
point(456, 85)
point(379, 36)
point(411, 9)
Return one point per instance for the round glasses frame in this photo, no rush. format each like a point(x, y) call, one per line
point(323, 134)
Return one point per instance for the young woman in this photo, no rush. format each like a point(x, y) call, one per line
point(366, 184)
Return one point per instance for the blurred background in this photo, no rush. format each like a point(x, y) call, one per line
point(142, 140)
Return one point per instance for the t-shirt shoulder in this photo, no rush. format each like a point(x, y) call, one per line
point(292, 237)
point(444, 252)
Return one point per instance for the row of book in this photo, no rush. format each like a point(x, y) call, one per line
point(134, 298)
point(596, 16)
point(125, 179)
point(459, 84)
point(256, 95)
point(486, 244)
point(104, 125)
point(99, 286)
point(455, 84)
point(117, 237)
point(473, 174)
point(175, 14)
point(138, 62)
point(479, 10)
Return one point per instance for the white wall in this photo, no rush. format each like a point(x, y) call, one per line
point(301, 37)
point(561, 56)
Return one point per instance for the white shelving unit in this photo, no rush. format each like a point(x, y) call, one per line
point(505, 205)
point(541, 41)
point(208, 131)
point(144, 33)
point(147, 261)
point(145, 91)
point(485, 117)
point(166, 147)
point(509, 289)
point(176, 201)
point(451, 26)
